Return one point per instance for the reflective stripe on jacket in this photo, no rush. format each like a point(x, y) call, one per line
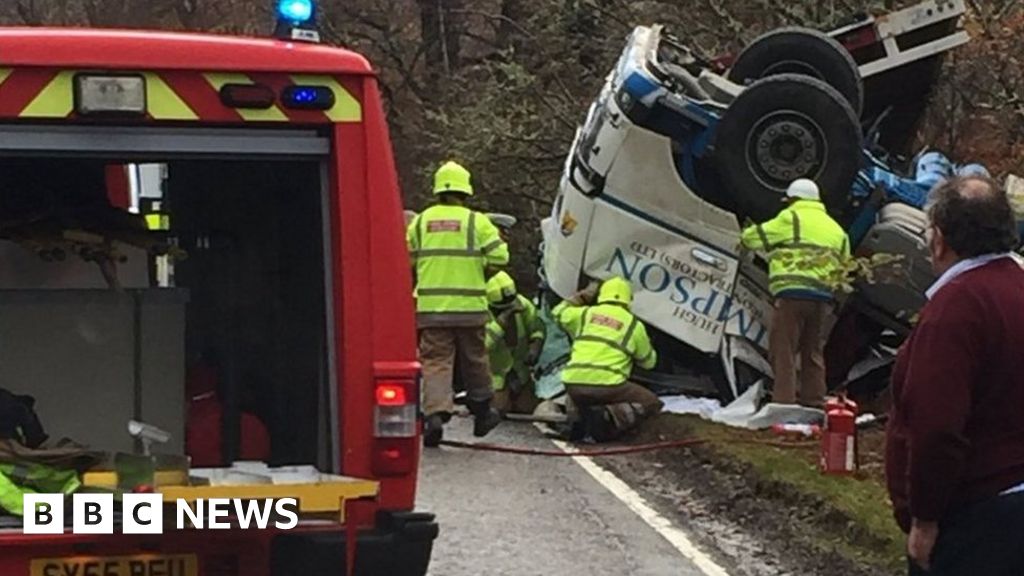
point(607, 340)
point(16, 480)
point(451, 246)
point(805, 247)
point(509, 349)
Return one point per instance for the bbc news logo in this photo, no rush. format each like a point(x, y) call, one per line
point(144, 514)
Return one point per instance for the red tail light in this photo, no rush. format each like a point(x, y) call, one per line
point(396, 427)
point(859, 38)
point(395, 410)
point(394, 456)
point(391, 394)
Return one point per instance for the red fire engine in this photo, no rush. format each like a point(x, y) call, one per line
point(280, 267)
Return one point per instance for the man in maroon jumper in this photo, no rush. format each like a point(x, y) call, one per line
point(955, 444)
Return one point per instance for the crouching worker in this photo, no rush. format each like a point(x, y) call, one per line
point(515, 338)
point(607, 340)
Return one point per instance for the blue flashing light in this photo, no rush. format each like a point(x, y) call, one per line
point(308, 97)
point(295, 11)
point(305, 95)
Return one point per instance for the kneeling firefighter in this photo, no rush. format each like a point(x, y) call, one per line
point(515, 338)
point(607, 340)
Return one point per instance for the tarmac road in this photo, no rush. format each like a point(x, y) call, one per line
point(505, 514)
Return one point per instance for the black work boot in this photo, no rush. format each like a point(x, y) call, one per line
point(576, 431)
point(485, 418)
point(601, 424)
point(433, 430)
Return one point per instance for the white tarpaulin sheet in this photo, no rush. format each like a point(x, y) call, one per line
point(744, 411)
point(703, 407)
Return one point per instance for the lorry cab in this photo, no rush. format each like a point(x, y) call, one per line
point(624, 209)
point(181, 210)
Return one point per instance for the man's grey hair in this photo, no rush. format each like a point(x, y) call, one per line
point(974, 215)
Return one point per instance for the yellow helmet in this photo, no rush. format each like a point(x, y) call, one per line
point(453, 177)
point(615, 289)
point(501, 290)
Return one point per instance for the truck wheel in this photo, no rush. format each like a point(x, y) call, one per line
point(782, 128)
point(796, 50)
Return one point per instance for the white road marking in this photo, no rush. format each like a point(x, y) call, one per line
point(635, 502)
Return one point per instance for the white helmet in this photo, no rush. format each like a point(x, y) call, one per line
point(804, 189)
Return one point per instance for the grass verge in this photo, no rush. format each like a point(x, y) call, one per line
point(849, 515)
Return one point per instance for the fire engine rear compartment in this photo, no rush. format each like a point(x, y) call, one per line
point(247, 303)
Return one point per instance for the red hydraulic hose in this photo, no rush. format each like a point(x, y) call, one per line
point(615, 451)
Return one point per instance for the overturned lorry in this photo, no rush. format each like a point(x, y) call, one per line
point(678, 153)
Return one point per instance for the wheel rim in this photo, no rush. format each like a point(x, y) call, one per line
point(784, 146)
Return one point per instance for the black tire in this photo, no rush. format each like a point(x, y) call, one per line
point(802, 51)
point(782, 128)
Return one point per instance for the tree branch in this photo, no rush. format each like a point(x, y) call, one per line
point(1005, 9)
point(27, 12)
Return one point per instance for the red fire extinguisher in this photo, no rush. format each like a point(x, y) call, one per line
point(839, 439)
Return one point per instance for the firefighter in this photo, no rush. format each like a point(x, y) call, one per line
point(515, 338)
point(806, 249)
point(607, 341)
point(453, 248)
point(504, 223)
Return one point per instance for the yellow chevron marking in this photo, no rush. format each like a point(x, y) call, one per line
point(56, 100)
point(163, 102)
point(4, 73)
point(272, 114)
point(346, 107)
